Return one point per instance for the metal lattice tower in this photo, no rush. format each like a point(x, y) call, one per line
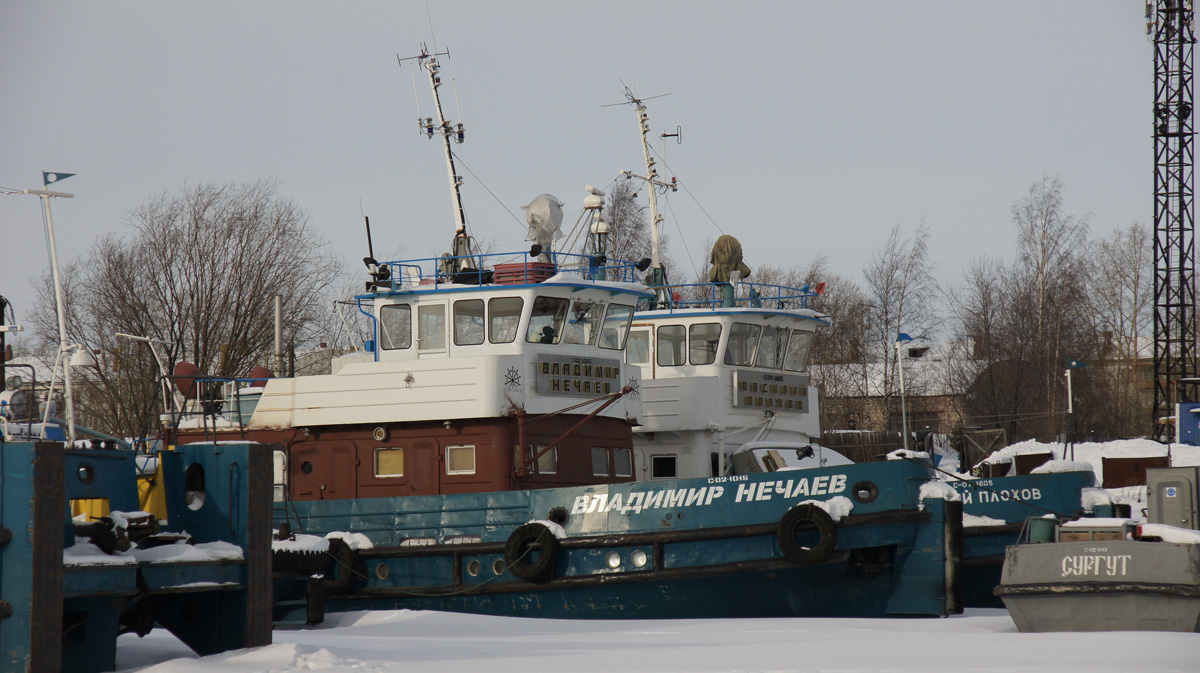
point(1171, 27)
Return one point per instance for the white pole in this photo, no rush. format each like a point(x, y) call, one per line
point(903, 412)
point(62, 329)
point(1070, 416)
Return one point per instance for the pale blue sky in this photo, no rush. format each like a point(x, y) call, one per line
point(808, 126)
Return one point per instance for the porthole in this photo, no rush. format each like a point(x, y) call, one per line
point(498, 567)
point(638, 558)
point(558, 515)
point(613, 559)
point(381, 571)
point(87, 473)
point(473, 568)
point(306, 467)
point(380, 434)
point(865, 491)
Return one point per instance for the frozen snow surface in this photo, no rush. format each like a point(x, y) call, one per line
point(432, 642)
point(1170, 533)
point(938, 490)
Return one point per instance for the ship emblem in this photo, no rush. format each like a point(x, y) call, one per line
point(634, 384)
point(512, 379)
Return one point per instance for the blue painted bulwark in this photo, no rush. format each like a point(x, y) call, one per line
point(59, 617)
point(688, 548)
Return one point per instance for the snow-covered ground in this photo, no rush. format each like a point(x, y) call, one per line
point(414, 642)
point(980, 640)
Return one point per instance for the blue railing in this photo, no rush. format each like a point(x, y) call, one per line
point(746, 295)
point(484, 269)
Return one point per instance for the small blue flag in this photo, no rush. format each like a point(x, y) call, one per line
point(902, 337)
point(1076, 364)
point(48, 177)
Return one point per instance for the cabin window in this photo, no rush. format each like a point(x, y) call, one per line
point(279, 458)
point(547, 463)
point(771, 347)
point(671, 339)
point(431, 327)
point(622, 463)
point(389, 462)
point(468, 322)
point(798, 349)
point(743, 339)
point(460, 459)
point(395, 326)
point(662, 467)
point(637, 351)
point(703, 339)
point(616, 326)
point(546, 320)
point(599, 461)
point(584, 324)
point(504, 315)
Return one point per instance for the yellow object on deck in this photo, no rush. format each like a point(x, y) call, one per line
point(152, 494)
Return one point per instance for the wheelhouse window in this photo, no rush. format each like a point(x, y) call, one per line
point(670, 344)
point(616, 326)
point(460, 459)
point(504, 315)
point(703, 339)
point(546, 320)
point(389, 462)
point(584, 324)
point(599, 461)
point(771, 347)
point(431, 327)
point(468, 322)
point(547, 463)
point(799, 347)
point(622, 463)
point(662, 467)
point(743, 339)
point(395, 326)
point(637, 351)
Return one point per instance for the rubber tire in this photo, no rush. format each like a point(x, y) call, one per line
point(517, 546)
point(800, 516)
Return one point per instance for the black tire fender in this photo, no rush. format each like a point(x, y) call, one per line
point(528, 538)
point(801, 517)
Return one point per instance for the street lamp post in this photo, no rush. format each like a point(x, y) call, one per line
point(902, 338)
point(63, 347)
point(1071, 364)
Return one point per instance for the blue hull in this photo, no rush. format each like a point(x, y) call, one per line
point(688, 548)
point(1011, 500)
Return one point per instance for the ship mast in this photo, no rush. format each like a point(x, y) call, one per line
point(448, 130)
point(658, 279)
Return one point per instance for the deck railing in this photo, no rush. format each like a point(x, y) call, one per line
point(485, 269)
point(746, 295)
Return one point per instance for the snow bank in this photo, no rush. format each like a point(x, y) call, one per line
point(1053, 466)
point(301, 542)
point(353, 540)
point(973, 521)
point(205, 551)
point(84, 553)
point(836, 507)
point(901, 454)
point(938, 490)
point(559, 532)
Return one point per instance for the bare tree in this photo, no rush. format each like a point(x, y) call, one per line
point(902, 292)
point(198, 269)
point(1121, 275)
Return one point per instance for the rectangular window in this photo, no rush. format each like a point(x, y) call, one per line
point(395, 326)
point(622, 463)
point(546, 320)
point(637, 352)
point(389, 462)
point(431, 327)
point(504, 315)
point(599, 461)
point(468, 322)
point(799, 346)
point(460, 459)
point(547, 463)
point(743, 339)
point(669, 346)
point(616, 326)
point(771, 347)
point(703, 339)
point(662, 467)
point(584, 324)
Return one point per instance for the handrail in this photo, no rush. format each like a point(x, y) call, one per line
point(436, 271)
point(746, 295)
